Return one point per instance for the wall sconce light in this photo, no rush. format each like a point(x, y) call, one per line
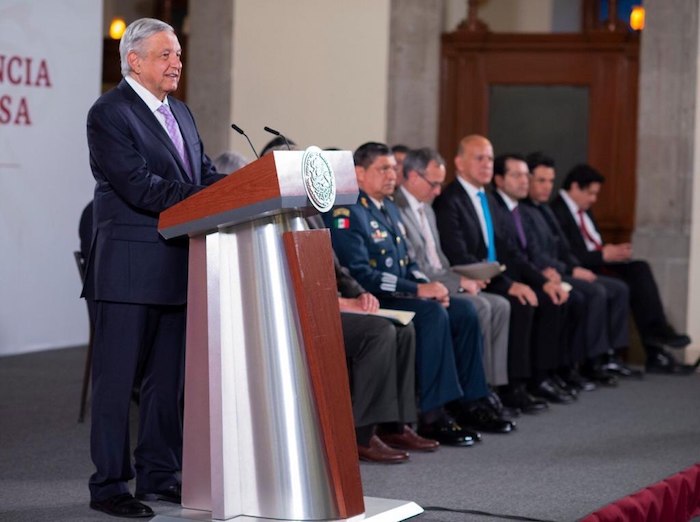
point(117, 28)
point(637, 18)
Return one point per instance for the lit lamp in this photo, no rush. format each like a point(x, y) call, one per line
point(637, 18)
point(117, 28)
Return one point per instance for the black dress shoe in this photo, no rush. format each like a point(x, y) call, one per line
point(494, 402)
point(575, 380)
point(551, 392)
point(482, 418)
point(664, 363)
point(170, 494)
point(669, 338)
point(517, 397)
point(564, 386)
point(447, 432)
point(123, 505)
point(614, 365)
point(601, 377)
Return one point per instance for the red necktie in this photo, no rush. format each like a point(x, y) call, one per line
point(585, 232)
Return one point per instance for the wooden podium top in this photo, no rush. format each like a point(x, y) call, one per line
point(269, 185)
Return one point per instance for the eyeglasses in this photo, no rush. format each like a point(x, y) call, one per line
point(433, 184)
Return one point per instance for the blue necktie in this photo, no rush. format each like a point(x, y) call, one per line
point(489, 226)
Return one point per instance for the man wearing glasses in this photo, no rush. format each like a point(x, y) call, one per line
point(424, 173)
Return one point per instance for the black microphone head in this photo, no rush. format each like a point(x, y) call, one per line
point(237, 129)
point(272, 131)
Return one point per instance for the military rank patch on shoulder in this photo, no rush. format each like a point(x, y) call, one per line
point(341, 223)
point(341, 211)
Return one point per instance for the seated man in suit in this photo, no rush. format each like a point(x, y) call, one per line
point(586, 324)
point(381, 357)
point(471, 230)
point(369, 240)
point(509, 184)
point(606, 318)
point(424, 171)
point(573, 210)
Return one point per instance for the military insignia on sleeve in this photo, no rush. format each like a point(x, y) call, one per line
point(341, 223)
point(341, 211)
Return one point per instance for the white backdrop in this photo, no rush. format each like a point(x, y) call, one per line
point(50, 68)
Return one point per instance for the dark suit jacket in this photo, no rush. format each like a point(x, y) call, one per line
point(547, 245)
point(417, 248)
point(373, 247)
point(139, 174)
point(589, 259)
point(463, 242)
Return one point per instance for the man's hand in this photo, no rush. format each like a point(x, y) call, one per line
point(555, 292)
point(435, 290)
point(583, 274)
point(616, 253)
point(364, 303)
point(552, 274)
point(368, 302)
point(471, 286)
point(523, 293)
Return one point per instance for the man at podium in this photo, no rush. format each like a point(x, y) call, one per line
point(146, 155)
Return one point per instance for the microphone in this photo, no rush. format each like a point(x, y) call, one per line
point(278, 133)
point(240, 131)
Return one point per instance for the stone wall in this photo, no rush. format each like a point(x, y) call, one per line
point(665, 151)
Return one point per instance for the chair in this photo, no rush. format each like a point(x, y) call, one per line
point(80, 261)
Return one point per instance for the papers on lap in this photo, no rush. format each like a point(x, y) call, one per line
point(481, 271)
point(401, 317)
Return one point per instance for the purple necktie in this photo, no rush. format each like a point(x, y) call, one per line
point(175, 136)
point(519, 227)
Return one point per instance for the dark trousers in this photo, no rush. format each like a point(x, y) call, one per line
point(644, 298)
point(591, 336)
point(519, 340)
point(548, 335)
point(126, 336)
point(381, 366)
point(449, 346)
point(618, 296)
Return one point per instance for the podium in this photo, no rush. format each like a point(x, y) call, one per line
point(268, 429)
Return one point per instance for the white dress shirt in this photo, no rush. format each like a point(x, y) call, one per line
point(590, 226)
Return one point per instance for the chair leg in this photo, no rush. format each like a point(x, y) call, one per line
point(86, 377)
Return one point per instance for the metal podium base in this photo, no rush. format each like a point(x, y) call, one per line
point(376, 510)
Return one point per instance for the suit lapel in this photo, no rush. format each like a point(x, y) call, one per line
point(468, 207)
point(408, 217)
point(186, 130)
point(143, 113)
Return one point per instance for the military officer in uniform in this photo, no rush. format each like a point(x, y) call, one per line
point(369, 239)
